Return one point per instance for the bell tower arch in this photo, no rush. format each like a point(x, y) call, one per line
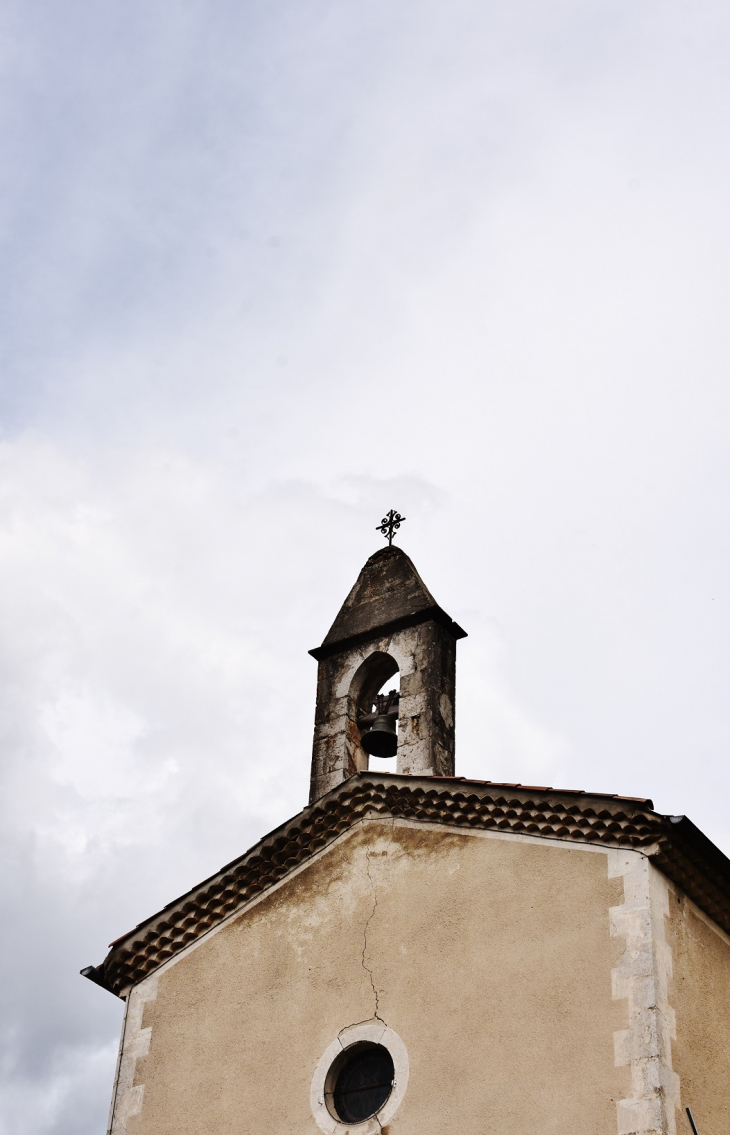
point(389, 623)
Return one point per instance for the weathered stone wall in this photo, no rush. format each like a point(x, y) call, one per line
point(490, 956)
point(700, 995)
point(425, 656)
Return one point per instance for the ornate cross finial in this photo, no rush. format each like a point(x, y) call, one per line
point(390, 524)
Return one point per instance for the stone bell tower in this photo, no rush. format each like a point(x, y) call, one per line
point(389, 623)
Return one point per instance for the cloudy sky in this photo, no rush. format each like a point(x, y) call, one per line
point(269, 270)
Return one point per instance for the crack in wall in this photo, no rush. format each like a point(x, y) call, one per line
point(367, 969)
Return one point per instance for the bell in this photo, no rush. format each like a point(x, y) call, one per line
point(382, 739)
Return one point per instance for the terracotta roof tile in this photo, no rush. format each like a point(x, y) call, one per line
point(675, 845)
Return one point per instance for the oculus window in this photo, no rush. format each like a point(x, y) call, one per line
point(363, 1081)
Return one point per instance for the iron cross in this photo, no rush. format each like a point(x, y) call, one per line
point(390, 524)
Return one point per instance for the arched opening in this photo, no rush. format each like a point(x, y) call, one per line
point(374, 691)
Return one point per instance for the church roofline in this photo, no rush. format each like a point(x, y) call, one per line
point(674, 844)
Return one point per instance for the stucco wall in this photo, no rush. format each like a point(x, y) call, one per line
point(700, 995)
point(491, 958)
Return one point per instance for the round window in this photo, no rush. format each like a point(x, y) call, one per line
point(362, 1083)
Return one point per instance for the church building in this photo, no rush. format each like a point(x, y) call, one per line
point(419, 954)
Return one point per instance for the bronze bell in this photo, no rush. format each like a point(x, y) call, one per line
point(382, 739)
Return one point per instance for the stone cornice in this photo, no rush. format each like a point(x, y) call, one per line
point(433, 614)
point(673, 843)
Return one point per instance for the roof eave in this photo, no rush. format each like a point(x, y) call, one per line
point(433, 614)
point(682, 852)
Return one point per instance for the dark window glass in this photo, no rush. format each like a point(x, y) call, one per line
point(363, 1083)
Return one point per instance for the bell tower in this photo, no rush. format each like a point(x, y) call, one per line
point(389, 623)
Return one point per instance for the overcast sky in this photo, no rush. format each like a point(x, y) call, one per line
point(269, 270)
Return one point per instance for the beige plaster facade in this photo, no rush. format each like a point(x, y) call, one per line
point(699, 990)
point(520, 973)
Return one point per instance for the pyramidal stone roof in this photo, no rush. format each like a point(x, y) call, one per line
point(672, 843)
point(389, 594)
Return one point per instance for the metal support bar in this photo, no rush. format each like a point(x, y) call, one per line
point(692, 1120)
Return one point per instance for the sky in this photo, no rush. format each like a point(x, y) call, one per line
point(268, 271)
